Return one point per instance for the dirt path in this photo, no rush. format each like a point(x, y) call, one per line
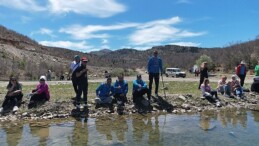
point(249, 79)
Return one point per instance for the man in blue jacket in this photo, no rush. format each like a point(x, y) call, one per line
point(155, 66)
point(139, 89)
point(120, 90)
point(104, 94)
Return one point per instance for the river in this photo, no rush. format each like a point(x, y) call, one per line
point(207, 128)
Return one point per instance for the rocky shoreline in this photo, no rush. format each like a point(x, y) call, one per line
point(174, 103)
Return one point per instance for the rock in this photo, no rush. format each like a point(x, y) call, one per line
point(185, 106)
point(182, 97)
point(24, 114)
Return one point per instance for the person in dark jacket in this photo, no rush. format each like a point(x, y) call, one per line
point(255, 85)
point(155, 66)
point(203, 73)
point(82, 82)
point(241, 72)
point(14, 95)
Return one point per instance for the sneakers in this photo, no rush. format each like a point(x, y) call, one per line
point(15, 108)
point(1, 110)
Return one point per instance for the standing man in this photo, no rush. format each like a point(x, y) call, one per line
point(203, 73)
point(74, 65)
point(155, 66)
point(82, 82)
point(241, 72)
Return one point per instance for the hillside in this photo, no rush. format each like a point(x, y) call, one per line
point(23, 56)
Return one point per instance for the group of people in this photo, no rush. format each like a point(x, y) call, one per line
point(232, 88)
point(14, 96)
point(106, 93)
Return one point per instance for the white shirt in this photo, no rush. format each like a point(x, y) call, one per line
point(74, 65)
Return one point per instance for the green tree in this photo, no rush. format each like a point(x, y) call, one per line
point(205, 58)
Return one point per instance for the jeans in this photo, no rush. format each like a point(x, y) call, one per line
point(82, 87)
point(151, 77)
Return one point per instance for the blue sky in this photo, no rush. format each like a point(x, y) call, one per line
point(89, 25)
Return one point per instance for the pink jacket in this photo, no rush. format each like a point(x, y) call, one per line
point(43, 89)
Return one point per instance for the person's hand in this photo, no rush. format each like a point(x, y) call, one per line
point(119, 87)
point(139, 86)
point(10, 94)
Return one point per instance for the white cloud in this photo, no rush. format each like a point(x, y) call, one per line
point(189, 44)
point(159, 31)
point(149, 33)
point(90, 31)
point(44, 31)
point(79, 46)
point(96, 8)
point(105, 41)
point(26, 5)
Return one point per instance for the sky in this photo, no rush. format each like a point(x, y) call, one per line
point(91, 25)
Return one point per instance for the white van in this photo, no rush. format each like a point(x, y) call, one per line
point(174, 72)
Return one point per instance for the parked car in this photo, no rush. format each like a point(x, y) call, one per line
point(174, 72)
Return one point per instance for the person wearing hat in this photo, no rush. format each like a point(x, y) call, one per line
point(257, 70)
point(154, 67)
point(203, 73)
point(81, 82)
point(139, 89)
point(41, 94)
point(255, 85)
point(14, 95)
point(73, 66)
point(241, 72)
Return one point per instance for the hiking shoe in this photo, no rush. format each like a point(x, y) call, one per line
point(156, 95)
point(15, 108)
point(238, 96)
point(1, 110)
point(218, 104)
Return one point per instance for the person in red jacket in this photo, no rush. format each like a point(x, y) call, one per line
point(241, 72)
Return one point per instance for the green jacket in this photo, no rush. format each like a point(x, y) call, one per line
point(257, 70)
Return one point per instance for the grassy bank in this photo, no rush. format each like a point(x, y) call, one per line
point(64, 92)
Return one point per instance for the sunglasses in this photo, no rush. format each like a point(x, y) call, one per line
point(14, 80)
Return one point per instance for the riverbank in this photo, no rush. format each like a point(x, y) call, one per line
point(172, 103)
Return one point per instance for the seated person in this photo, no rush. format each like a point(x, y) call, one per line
point(41, 94)
point(221, 84)
point(255, 85)
point(209, 94)
point(235, 87)
point(14, 95)
point(139, 89)
point(120, 90)
point(104, 94)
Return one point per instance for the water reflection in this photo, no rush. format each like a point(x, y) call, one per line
point(232, 127)
point(109, 125)
point(80, 133)
point(41, 131)
point(144, 128)
point(13, 134)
